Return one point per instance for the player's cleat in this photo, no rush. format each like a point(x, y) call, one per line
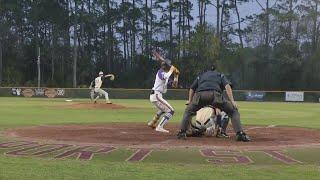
point(241, 136)
point(182, 135)
point(222, 135)
point(161, 129)
point(152, 124)
point(94, 102)
point(109, 102)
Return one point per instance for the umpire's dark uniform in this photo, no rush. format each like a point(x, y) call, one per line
point(208, 89)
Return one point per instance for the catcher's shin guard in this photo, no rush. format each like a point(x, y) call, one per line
point(224, 124)
point(222, 132)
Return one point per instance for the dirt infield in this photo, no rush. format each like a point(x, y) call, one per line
point(137, 134)
point(95, 106)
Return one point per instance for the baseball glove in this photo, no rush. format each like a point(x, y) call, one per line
point(112, 77)
point(176, 74)
point(176, 71)
point(175, 83)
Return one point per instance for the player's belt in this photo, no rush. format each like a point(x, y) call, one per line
point(152, 92)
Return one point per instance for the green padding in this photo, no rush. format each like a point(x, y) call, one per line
point(178, 94)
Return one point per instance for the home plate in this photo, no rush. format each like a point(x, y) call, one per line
point(271, 126)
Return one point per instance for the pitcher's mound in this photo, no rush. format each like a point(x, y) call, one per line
point(95, 106)
point(138, 134)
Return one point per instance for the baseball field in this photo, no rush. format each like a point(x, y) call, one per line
point(55, 139)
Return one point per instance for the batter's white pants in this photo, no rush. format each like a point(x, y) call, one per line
point(163, 106)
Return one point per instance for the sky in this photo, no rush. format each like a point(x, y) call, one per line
point(245, 9)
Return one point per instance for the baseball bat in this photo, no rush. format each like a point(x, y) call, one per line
point(158, 57)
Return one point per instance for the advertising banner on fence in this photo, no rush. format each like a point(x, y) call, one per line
point(38, 92)
point(295, 96)
point(255, 96)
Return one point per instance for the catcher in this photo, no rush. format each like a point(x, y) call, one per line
point(160, 87)
point(207, 120)
point(97, 87)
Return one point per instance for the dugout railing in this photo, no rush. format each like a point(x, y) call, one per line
point(179, 94)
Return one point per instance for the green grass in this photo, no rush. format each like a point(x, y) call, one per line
point(27, 168)
point(17, 112)
point(24, 111)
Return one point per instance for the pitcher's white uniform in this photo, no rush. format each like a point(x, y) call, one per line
point(97, 88)
point(159, 88)
point(91, 87)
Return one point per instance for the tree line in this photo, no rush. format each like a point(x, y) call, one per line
point(275, 49)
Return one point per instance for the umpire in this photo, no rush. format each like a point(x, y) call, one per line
point(207, 90)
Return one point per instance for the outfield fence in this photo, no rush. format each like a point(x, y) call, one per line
point(180, 94)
